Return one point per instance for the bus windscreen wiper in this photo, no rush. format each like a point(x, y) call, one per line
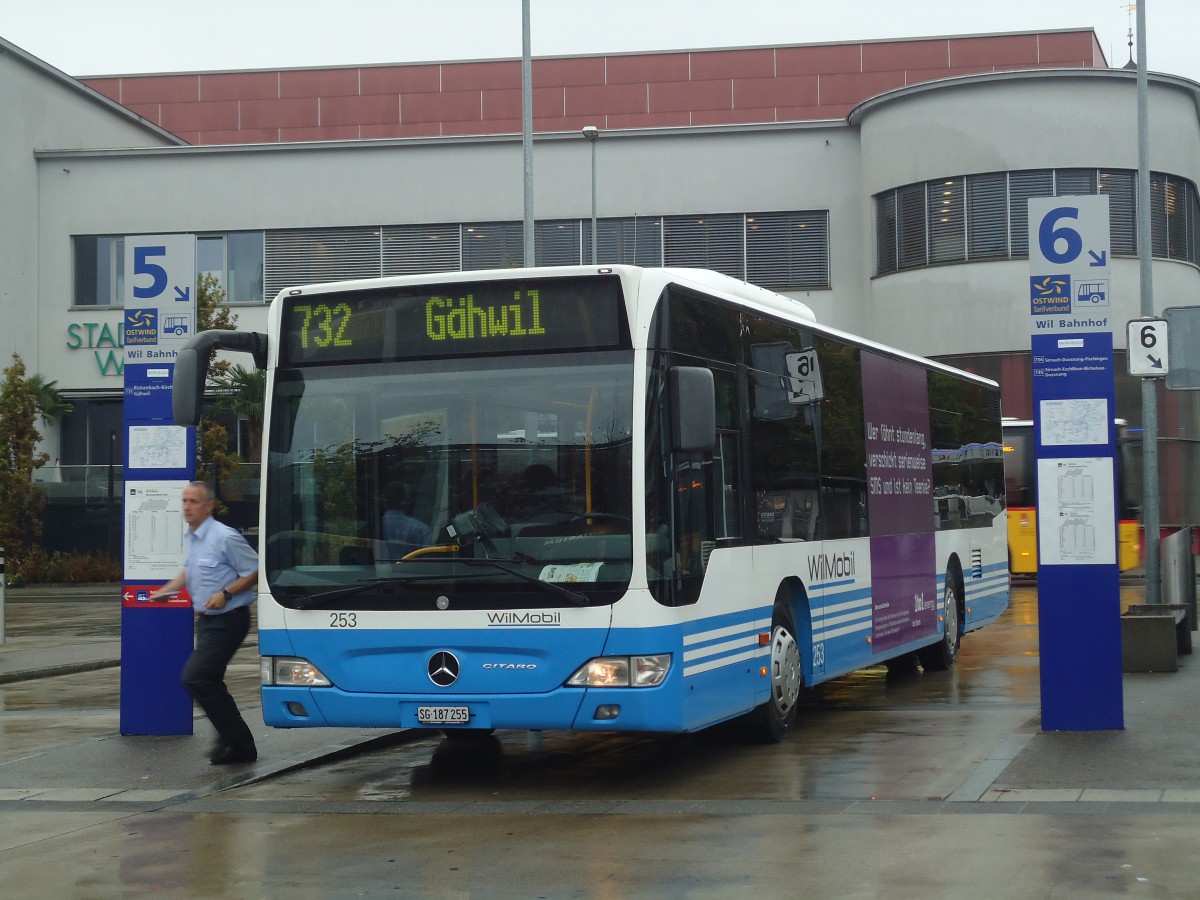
point(573, 596)
point(315, 601)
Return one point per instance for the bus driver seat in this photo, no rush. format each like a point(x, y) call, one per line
point(799, 516)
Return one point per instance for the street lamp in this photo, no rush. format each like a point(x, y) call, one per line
point(592, 134)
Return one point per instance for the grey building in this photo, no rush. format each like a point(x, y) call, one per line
point(901, 218)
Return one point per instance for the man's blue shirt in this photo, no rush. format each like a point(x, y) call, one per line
point(217, 556)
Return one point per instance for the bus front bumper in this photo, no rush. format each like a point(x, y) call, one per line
point(585, 709)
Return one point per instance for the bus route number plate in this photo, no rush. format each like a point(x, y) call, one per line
point(443, 715)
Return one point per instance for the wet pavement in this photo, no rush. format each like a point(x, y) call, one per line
point(60, 712)
point(911, 785)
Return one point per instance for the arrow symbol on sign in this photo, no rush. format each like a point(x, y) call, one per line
point(128, 596)
point(1157, 363)
point(182, 294)
point(1098, 259)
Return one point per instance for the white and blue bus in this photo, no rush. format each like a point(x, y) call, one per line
point(602, 498)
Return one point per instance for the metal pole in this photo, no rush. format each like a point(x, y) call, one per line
point(593, 203)
point(110, 535)
point(1151, 514)
point(527, 130)
point(592, 134)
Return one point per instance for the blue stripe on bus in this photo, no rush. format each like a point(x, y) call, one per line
point(721, 641)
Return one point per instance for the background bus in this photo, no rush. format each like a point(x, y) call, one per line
point(647, 499)
point(1020, 465)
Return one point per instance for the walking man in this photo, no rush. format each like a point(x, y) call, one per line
point(220, 571)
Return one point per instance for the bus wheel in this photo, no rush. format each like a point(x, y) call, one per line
point(940, 656)
point(776, 718)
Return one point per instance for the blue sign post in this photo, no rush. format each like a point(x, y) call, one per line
point(1079, 612)
point(160, 459)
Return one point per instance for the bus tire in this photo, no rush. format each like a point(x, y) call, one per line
point(774, 720)
point(941, 656)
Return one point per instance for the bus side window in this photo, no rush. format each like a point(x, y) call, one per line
point(727, 458)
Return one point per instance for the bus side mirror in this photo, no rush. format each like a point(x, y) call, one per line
point(693, 403)
point(191, 368)
point(187, 386)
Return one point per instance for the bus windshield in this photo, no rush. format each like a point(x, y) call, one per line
point(465, 483)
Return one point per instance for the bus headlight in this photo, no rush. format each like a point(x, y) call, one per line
point(291, 671)
point(622, 671)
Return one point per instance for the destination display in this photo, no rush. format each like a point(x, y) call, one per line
point(464, 319)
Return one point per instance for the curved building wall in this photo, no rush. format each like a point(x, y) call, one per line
point(1007, 123)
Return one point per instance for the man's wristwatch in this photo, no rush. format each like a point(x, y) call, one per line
point(228, 596)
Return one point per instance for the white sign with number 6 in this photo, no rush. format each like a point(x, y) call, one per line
point(1146, 340)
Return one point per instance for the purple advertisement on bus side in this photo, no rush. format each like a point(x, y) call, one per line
point(900, 501)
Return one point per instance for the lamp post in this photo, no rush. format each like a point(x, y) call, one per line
point(592, 134)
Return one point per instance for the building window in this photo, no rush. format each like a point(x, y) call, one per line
point(706, 242)
point(987, 216)
point(1172, 217)
point(911, 237)
point(235, 258)
point(632, 241)
point(99, 270)
point(1022, 186)
point(886, 233)
point(556, 243)
point(92, 433)
point(1122, 217)
point(493, 245)
point(421, 249)
point(947, 234)
point(788, 250)
point(320, 254)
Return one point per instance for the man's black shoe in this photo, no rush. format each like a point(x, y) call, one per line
point(227, 755)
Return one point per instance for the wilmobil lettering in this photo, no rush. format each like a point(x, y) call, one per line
point(827, 566)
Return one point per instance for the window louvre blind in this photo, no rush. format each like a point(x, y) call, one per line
point(633, 241)
point(556, 242)
point(705, 242)
point(947, 221)
point(987, 216)
point(788, 249)
point(420, 249)
point(306, 256)
point(493, 245)
point(886, 232)
point(910, 213)
point(1122, 217)
point(1022, 186)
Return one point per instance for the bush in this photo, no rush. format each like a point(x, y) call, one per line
point(39, 567)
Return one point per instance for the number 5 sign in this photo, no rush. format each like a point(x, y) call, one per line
point(160, 279)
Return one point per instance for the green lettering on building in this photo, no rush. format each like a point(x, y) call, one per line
point(97, 335)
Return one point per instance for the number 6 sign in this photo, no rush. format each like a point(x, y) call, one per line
point(1146, 340)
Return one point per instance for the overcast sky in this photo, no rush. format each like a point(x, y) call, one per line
point(107, 37)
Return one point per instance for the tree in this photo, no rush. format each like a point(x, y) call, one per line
point(50, 403)
point(214, 463)
point(241, 394)
point(213, 458)
point(210, 314)
point(21, 501)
